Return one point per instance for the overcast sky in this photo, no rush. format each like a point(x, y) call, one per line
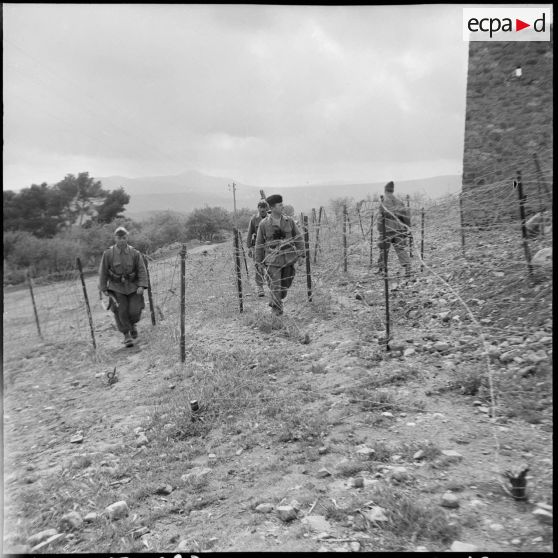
point(271, 96)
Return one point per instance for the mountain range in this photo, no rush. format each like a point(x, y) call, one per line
point(190, 190)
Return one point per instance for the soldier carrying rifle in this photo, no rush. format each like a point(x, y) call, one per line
point(123, 278)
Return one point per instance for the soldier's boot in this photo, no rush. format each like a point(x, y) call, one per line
point(128, 341)
point(134, 332)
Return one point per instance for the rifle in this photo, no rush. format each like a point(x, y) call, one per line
point(111, 301)
point(262, 194)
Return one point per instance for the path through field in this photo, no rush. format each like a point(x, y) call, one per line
point(309, 437)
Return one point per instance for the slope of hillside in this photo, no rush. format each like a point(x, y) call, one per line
point(190, 190)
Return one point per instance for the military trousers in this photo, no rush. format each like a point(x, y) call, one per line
point(259, 278)
point(129, 310)
point(399, 242)
point(279, 280)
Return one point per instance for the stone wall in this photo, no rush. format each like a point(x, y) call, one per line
point(508, 119)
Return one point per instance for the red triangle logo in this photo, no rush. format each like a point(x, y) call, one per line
point(519, 25)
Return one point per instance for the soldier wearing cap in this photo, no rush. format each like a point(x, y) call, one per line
point(397, 223)
point(122, 275)
point(255, 221)
point(279, 246)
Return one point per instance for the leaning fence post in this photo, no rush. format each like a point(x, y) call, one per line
point(243, 255)
point(462, 222)
point(410, 232)
point(345, 238)
point(523, 227)
point(313, 215)
point(149, 293)
point(421, 238)
point(29, 282)
point(90, 318)
point(238, 270)
point(318, 234)
point(371, 237)
point(385, 270)
point(307, 258)
point(183, 303)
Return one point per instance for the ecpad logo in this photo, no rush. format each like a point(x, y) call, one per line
point(507, 24)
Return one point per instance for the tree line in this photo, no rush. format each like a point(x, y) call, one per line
point(47, 227)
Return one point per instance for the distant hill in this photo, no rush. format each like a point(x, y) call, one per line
point(190, 190)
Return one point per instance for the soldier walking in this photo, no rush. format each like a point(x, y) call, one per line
point(279, 246)
point(255, 221)
point(396, 230)
point(123, 277)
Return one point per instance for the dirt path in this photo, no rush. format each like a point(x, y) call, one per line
point(316, 390)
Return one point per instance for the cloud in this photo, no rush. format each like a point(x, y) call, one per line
point(287, 92)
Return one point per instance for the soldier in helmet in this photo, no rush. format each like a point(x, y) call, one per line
point(279, 246)
point(251, 241)
point(397, 226)
point(123, 276)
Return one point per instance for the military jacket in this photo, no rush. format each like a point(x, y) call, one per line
point(122, 271)
point(278, 245)
point(397, 216)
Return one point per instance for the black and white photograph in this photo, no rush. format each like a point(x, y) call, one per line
point(277, 278)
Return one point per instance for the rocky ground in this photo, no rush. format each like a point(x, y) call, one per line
point(310, 435)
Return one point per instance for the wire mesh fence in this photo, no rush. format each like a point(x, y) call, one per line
point(495, 258)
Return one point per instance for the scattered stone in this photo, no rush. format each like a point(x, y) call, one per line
point(396, 458)
point(46, 543)
point(421, 549)
point(357, 482)
point(117, 510)
point(376, 514)
point(543, 258)
point(450, 500)
point(452, 454)
point(212, 458)
point(90, 517)
point(458, 546)
point(165, 489)
point(286, 513)
point(387, 414)
point(507, 357)
point(419, 454)
point(137, 533)
point(322, 450)
point(37, 538)
point(322, 473)
point(496, 527)
point(516, 542)
point(483, 409)
point(196, 472)
point(355, 546)
point(411, 424)
point(138, 430)
point(264, 508)
point(399, 474)
point(408, 352)
point(239, 452)
point(544, 516)
point(142, 440)
point(538, 539)
point(477, 403)
point(441, 346)
point(365, 453)
point(77, 439)
point(71, 521)
point(183, 546)
point(318, 523)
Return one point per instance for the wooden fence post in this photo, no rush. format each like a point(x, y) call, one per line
point(421, 238)
point(523, 227)
point(149, 293)
point(371, 237)
point(307, 258)
point(318, 234)
point(238, 270)
point(183, 303)
point(86, 303)
point(30, 283)
point(345, 238)
point(385, 270)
